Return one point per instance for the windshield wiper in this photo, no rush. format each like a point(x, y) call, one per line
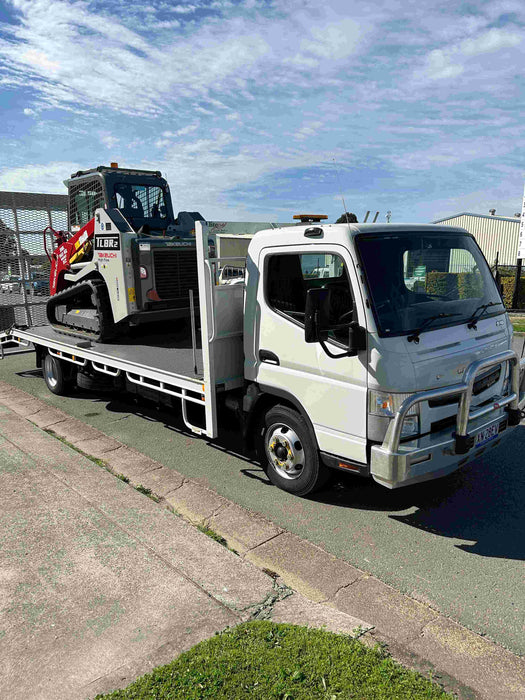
point(415, 335)
point(481, 308)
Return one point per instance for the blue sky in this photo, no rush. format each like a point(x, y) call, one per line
point(261, 109)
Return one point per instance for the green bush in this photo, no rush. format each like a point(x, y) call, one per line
point(508, 291)
point(443, 284)
point(470, 285)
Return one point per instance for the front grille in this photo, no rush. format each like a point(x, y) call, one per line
point(480, 385)
point(175, 273)
point(487, 381)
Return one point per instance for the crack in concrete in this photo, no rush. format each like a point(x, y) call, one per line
point(263, 610)
point(111, 449)
point(346, 585)
point(259, 544)
point(170, 491)
point(33, 415)
point(215, 512)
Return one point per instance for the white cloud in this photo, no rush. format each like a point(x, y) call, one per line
point(309, 129)
point(186, 130)
point(108, 140)
point(222, 95)
point(439, 66)
point(29, 112)
point(454, 59)
point(335, 40)
point(488, 42)
point(183, 9)
point(38, 178)
point(100, 61)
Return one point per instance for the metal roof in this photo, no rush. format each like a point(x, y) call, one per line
point(478, 216)
point(497, 236)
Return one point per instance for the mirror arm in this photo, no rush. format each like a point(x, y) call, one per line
point(348, 353)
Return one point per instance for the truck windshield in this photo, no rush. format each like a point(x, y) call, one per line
point(413, 276)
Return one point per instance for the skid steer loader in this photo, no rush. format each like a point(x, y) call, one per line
point(126, 260)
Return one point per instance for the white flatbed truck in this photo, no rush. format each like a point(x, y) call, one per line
point(358, 369)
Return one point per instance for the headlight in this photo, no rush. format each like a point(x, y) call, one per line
point(387, 404)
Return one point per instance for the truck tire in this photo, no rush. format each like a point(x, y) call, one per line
point(95, 382)
point(57, 377)
point(288, 452)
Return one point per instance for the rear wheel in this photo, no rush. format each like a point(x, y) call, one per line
point(58, 378)
point(95, 381)
point(288, 452)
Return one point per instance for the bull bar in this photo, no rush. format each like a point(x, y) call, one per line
point(391, 463)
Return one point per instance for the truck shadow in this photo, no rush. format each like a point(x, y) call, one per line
point(481, 503)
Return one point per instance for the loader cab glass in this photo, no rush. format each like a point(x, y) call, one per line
point(85, 197)
point(140, 202)
point(433, 279)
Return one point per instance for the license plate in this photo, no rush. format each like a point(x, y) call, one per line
point(486, 435)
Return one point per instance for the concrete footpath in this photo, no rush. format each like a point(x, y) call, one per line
point(99, 583)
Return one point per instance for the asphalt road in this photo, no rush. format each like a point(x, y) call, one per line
point(456, 544)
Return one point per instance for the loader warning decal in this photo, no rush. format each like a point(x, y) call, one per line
point(108, 242)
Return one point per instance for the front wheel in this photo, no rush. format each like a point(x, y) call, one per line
point(288, 452)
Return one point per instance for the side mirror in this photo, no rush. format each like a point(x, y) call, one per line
point(316, 315)
point(317, 324)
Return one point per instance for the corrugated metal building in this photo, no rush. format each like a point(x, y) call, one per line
point(494, 234)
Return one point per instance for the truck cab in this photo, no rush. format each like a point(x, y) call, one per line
point(392, 344)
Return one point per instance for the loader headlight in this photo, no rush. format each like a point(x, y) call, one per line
point(387, 404)
point(143, 272)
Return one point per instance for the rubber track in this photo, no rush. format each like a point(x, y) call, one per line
point(107, 327)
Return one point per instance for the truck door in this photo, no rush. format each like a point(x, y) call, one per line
point(332, 391)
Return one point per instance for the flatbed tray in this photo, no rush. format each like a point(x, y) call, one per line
point(170, 354)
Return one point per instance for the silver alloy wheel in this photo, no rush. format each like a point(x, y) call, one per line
point(51, 379)
point(284, 450)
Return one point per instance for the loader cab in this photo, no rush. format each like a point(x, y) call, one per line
point(142, 196)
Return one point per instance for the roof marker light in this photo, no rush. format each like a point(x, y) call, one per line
point(310, 218)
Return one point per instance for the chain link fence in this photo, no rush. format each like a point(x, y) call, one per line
point(24, 266)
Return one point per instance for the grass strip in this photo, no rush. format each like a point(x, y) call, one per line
point(519, 327)
point(147, 492)
point(263, 660)
point(95, 460)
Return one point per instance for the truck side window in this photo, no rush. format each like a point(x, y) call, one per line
point(290, 276)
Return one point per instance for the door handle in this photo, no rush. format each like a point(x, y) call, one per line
point(269, 357)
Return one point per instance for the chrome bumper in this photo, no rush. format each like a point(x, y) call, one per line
point(394, 464)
